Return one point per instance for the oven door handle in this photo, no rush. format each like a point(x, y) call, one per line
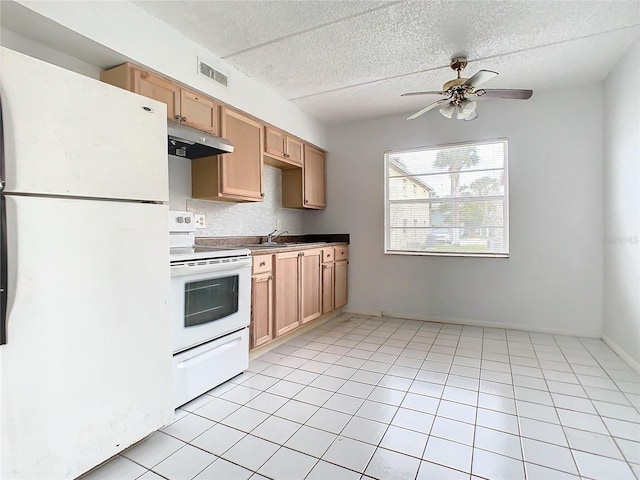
point(192, 268)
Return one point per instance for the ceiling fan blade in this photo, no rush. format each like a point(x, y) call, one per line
point(479, 78)
point(427, 108)
point(410, 94)
point(505, 93)
point(473, 116)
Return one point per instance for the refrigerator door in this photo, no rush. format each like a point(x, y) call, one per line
point(86, 370)
point(67, 134)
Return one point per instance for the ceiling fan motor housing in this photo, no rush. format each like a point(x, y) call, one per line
point(453, 83)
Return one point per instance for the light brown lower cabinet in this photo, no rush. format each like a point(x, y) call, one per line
point(310, 285)
point(292, 288)
point(261, 329)
point(286, 294)
point(261, 309)
point(341, 270)
point(327, 287)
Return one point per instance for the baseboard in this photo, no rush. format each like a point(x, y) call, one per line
point(467, 321)
point(256, 352)
point(367, 313)
point(621, 353)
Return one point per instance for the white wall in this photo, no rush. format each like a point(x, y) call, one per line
point(622, 208)
point(553, 278)
point(130, 31)
point(230, 218)
point(34, 49)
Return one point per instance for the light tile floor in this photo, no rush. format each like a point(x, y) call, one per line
point(386, 398)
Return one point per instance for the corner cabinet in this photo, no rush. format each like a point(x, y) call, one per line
point(233, 176)
point(305, 187)
point(183, 105)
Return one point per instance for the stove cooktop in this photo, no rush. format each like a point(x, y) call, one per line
point(200, 252)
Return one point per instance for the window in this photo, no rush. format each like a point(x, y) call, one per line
point(458, 202)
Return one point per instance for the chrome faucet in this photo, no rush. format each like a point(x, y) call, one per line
point(271, 236)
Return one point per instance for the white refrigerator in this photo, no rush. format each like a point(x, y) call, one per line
point(85, 359)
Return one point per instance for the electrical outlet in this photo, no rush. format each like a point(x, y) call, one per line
point(278, 224)
point(200, 220)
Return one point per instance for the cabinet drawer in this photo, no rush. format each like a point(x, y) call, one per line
point(328, 255)
point(261, 264)
point(341, 253)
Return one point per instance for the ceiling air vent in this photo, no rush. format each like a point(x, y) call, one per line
point(212, 73)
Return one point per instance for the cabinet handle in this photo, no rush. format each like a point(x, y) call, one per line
point(302, 254)
point(270, 277)
point(262, 264)
point(184, 119)
point(262, 195)
point(306, 201)
point(177, 117)
point(286, 155)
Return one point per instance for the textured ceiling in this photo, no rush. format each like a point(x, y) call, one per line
point(346, 60)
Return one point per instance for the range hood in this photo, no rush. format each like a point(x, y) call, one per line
point(191, 143)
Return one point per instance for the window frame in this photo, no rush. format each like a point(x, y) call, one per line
point(387, 214)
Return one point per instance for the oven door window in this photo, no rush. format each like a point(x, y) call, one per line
point(209, 300)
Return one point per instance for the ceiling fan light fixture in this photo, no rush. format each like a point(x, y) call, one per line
point(466, 108)
point(448, 110)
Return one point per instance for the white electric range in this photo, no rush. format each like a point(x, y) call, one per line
point(210, 307)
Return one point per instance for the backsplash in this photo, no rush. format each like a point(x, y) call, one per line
point(251, 218)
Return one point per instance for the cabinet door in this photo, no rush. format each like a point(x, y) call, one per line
point(294, 150)
point(275, 143)
point(327, 287)
point(261, 309)
point(340, 283)
point(158, 88)
point(287, 311)
point(199, 111)
point(313, 190)
point(310, 285)
point(241, 171)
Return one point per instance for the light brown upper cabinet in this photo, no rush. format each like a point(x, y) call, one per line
point(282, 150)
point(183, 105)
point(233, 176)
point(305, 187)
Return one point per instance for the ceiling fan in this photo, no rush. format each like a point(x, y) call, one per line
point(456, 91)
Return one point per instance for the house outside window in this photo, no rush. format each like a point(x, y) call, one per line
point(457, 204)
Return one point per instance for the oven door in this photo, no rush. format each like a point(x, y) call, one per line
point(209, 299)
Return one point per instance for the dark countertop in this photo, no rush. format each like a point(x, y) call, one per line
point(287, 242)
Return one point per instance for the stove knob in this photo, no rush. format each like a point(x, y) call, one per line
point(187, 219)
point(179, 219)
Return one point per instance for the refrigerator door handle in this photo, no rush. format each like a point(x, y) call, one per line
point(4, 281)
